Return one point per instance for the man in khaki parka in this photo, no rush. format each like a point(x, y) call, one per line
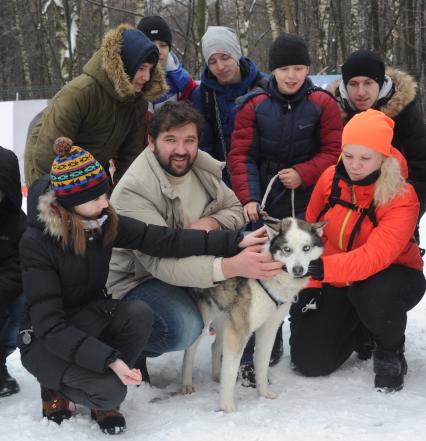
point(172, 183)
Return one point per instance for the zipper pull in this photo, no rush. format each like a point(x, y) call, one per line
point(288, 106)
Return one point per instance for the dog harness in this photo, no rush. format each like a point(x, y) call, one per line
point(277, 302)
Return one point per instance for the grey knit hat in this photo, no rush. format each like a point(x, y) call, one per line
point(220, 40)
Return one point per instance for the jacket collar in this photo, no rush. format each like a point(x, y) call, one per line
point(404, 90)
point(380, 182)
point(289, 100)
point(203, 164)
point(249, 71)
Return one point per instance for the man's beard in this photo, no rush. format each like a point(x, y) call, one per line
point(168, 167)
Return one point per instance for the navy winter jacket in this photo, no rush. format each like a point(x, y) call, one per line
point(225, 96)
point(275, 131)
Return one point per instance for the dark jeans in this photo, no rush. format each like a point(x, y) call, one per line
point(9, 329)
point(323, 338)
point(127, 332)
point(177, 320)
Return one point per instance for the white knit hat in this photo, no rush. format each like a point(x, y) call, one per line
point(220, 40)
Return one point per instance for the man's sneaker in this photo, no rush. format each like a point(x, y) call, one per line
point(141, 365)
point(8, 385)
point(110, 421)
point(277, 349)
point(390, 367)
point(55, 407)
point(247, 375)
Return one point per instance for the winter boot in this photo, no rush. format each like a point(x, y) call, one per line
point(8, 385)
point(55, 407)
point(111, 421)
point(390, 367)
point(277, 349)
point(141, 365)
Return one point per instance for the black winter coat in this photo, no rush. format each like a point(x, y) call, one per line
point(410, 128)
point(62, 288)
point(12, 226)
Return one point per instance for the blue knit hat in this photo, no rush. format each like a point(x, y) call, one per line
point(137, 49)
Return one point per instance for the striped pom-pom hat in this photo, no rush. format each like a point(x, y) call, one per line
point(76, 176)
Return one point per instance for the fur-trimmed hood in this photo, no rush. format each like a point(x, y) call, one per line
point(41, 210)
point(405, 90)
point(107, 68)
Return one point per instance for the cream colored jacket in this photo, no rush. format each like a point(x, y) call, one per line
point(145, 193)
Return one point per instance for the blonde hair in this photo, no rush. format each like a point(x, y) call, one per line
point(390, 182)
point(73, 233)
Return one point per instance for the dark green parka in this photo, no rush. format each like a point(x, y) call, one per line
point(99, 110)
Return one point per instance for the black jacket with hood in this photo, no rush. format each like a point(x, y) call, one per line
point(397, 99)
point(12, 226)
point(62, 288)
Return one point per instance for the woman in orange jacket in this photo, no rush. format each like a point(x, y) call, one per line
point(370, 274)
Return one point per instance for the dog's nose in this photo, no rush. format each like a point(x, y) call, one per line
point(298, 271)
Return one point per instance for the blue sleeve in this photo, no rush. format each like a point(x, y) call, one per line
point(207, 142)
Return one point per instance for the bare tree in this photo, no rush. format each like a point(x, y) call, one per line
point(22, 45)
point(273, 18)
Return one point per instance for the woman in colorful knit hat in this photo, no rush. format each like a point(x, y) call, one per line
point(371, 272)
point(79, 343)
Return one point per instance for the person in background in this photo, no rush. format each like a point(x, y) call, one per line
point(226, 75)
point(12, 226)
point(289, 129)
point(173, 183)
point(368, 84)
point(104, 108)
point(80, 344)
point(371, 271)
point(179, 81)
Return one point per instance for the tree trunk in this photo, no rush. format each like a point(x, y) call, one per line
point(140, 10)
point(22, 47)
point(290, 25)
point(243, 23)
point(273, 18)
point(200, 23)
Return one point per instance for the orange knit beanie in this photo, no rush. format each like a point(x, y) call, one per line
point(372, 129)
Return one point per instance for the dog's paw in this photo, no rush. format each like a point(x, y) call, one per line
point(228, 407)
point(267, 393)
point(188, 389)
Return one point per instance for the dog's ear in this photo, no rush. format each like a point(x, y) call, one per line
point(272, 229)
point(318, 227)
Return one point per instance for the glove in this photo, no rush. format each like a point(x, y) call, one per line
point(316, 269)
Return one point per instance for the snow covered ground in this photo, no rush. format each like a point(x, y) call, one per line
point(343, 406)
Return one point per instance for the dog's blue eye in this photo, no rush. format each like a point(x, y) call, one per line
point(306, 248)
point(287, 249)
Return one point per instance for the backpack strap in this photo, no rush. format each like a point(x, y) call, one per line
point(334, 199)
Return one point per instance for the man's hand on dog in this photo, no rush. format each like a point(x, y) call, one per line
point(257, 237)
point(251, 263)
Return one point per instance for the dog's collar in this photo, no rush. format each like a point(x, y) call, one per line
point(277, 302)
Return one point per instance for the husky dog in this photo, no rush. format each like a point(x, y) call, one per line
point(238, 306)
